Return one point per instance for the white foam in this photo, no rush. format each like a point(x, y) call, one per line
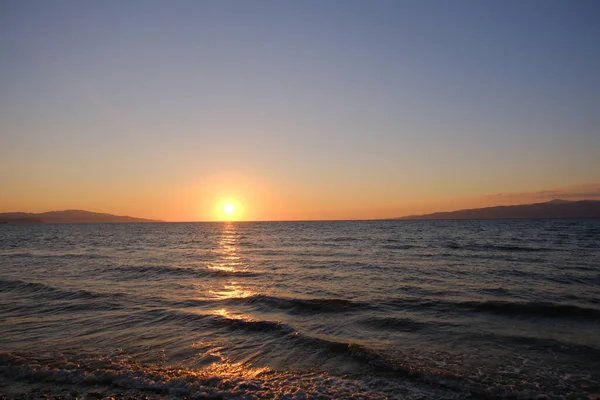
point(224, 379)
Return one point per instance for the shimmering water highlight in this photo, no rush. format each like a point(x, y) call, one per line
point(378, 309)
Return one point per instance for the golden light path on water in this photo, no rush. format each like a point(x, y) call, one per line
point(229, 261)
point(305, 310)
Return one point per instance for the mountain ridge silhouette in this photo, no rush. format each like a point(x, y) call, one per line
point(556, 208)
point(68, 216)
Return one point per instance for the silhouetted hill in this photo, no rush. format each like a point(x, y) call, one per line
point(550, 209)
point(67, 216)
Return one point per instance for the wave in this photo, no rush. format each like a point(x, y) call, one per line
point(266, 303)
point(311, 344)
point(367, 357)
point(546, 344)
point(300, 342)
point(10, 285)
point(89, 375)
point(58, 307)
point(323, 306)
point(591, 267)
point(56, 256)
point(107, 376)
point(397, 324)
point(143, 271)
point(513, 309)
point(435, 372)
point(399, 246)
point(381, 366)
point(426, 292)
point(562, 278)
point(215, 321)
point(343, 239)
point(300, 306)
point(491, 247)
point(533, 308)
point(496, 291)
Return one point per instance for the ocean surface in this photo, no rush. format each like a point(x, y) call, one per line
point(356, 309)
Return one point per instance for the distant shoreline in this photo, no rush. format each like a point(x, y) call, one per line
point(68, 217)
point(407, 219)
point(555, 209)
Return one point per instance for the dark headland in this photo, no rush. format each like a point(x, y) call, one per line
point(550, 209)
point(67, 217)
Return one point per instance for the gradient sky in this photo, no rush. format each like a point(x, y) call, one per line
point(296, 110)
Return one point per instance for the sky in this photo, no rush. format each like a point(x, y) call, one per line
point(297, 109)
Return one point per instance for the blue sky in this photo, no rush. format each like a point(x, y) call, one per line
point(300, 109)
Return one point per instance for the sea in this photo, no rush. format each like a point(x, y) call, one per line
point(389, 309)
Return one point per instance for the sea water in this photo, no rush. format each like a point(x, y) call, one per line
point(363, 309)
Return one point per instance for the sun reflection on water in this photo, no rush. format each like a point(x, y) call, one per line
point(228, 250)
point(238, 370)
point(226, 268)
point(232, 291)
point(226, 314)
point(230, 261)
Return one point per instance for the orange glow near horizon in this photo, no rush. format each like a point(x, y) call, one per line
point(232, 115)
point(229, 210)
point(251, 196)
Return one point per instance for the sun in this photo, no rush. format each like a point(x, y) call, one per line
point(228, 208)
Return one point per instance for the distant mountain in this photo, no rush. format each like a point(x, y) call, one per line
point(67, 216)
point(550, 209)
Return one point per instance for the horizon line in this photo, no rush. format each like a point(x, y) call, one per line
point(403, 217)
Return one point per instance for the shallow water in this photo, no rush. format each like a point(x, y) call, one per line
point(374, 309)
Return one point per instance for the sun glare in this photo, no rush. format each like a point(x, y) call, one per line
point(228, 208)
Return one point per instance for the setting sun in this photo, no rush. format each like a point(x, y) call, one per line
point(228, 208)
point(300, 199)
